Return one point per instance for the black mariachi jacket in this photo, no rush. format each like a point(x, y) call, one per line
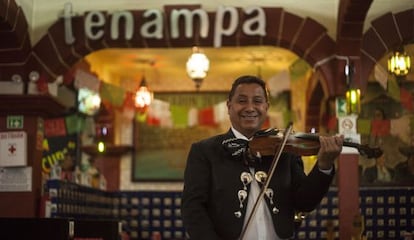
point(212, 179)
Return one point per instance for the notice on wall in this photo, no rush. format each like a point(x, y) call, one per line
point(13, 149)
point(16, 179)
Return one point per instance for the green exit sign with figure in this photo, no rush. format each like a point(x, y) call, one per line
point(15, 122)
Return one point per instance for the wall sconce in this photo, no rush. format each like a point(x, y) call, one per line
point(143, 97)
point(353, 101)
point(399, 63)
point(197, 66)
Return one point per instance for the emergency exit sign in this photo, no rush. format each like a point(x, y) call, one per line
point(14, 122)
point(340, 107)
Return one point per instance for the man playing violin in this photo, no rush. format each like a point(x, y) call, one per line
point(222, 181)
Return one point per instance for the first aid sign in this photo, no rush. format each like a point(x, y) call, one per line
point(13, 149)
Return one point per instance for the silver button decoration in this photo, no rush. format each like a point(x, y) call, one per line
point(238, 214)
point(269, 194)
point(246, 178)
point(260, 176)
point(242, 194)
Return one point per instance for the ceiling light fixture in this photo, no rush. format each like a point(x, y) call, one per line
point(143, 97)
point(197, 66)
point(399, 63)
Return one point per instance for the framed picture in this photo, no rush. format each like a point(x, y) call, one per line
point(160, 154)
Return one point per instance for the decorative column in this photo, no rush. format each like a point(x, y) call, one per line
point(348, 177)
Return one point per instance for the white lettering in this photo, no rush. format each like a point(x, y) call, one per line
point(258, 20)
point(93, 20)
point(219, 29)
point(67, 16)
point(157, 24)
point(189, 17)
point(129, 24)
point(153, 23)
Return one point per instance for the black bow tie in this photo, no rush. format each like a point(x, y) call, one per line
point(238, 148)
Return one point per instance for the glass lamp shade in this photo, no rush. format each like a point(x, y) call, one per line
point(399, 64)
point(197, 66)
point(143, 97)
point(353, 101)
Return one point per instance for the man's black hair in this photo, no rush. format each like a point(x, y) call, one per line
point(248, 79)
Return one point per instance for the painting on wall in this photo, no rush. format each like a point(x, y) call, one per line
point(161, 153)
point(164, 134)
point(387, 121)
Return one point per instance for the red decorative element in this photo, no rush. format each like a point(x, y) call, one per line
point(55, 127)
point(206, 117)
point(12, 149)
point(406, 99)
point(42, 84)
point(129, 101)
point(380, 127)
point(153, 121)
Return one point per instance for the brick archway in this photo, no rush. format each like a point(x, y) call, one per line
point(386, 33)
point(303, 36)
point(15, 46)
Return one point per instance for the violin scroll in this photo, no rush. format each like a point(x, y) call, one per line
point(365, 150)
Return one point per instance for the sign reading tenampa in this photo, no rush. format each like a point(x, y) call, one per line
point(151, 24)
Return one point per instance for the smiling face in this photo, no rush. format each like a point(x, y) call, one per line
point(247, 108)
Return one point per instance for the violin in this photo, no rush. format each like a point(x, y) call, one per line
point(266, 143)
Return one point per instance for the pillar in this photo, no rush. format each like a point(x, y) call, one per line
point(32, 109)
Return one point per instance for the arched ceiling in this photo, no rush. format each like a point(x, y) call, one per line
point(162, 67)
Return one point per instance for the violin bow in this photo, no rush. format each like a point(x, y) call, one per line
point(275, 160)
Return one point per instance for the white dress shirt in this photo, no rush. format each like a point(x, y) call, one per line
point(261, 224)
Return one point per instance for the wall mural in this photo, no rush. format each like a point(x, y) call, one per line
point(387, 121)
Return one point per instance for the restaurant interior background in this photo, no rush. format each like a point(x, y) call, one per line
point(37, 61)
